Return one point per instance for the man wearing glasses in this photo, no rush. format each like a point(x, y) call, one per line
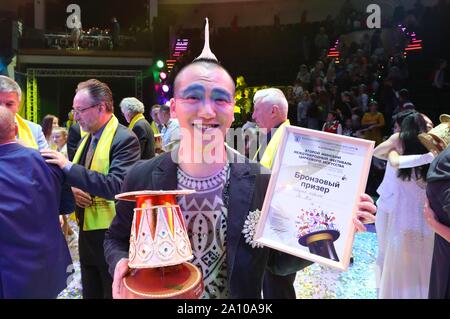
point(96, 174)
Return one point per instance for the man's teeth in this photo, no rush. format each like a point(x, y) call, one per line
point(205, 126)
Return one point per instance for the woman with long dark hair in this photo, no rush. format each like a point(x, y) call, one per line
point(405, 240)
point(412, 126)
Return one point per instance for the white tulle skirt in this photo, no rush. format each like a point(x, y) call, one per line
point(405, 240)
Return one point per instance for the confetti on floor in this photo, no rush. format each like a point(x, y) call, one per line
point(358, 282)
point(313, 282)
point(74, 288)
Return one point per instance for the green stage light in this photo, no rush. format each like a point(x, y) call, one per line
point(160, 64)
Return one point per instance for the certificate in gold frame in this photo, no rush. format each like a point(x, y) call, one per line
point(312, 196)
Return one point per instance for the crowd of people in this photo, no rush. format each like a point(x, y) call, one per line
point(365, 94)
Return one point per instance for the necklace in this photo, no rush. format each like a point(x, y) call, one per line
point(204, 183)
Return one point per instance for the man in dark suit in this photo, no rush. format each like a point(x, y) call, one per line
point(246, 189)
point(73, 138)
point(34, 259)
point(229, 190)
point(133, 111)
point(438, 217)
point(271, 115)
point(96, 173)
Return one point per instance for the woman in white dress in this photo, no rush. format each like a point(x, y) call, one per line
point(386, 190)
point(405, 241)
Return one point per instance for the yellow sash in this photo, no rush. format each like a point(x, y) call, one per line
point(272, 147)
point(154, 128)
point(82, 133)
point(136, 118)
point(102, 211)
point(25, 134)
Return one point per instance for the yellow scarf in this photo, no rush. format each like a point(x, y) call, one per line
point(69, 123)
point(25, 134)
point(272, 147)
point(136, 118)
point(154, 128)
point(102, 211)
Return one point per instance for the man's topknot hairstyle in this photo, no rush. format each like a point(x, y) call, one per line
point(206, 57)
point(206, 52)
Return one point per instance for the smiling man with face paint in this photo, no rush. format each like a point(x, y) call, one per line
point(228, 187)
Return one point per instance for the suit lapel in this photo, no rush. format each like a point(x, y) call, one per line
point(165, 177)
point(242, 185)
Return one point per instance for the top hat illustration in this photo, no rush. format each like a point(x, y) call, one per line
point(438, 138)
point(317, 231)
point(160, 248)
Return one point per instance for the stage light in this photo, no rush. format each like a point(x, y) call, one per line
point(165, 88)
point(163, 75)
point(160, 64)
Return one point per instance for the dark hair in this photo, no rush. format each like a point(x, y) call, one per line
point(411, 127)
point(400, 116)
point(404, 94)
point(346, 94)
point(207, 60)
point(47, 125)
point(99, 92)
point(164, 108)
point(335, 114)
point(204, 61)
point(373, 102)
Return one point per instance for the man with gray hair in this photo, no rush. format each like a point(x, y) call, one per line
point(29, 133)
point(270, 113)
point(133, 111)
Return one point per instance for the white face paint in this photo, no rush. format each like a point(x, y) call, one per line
point(204, 102)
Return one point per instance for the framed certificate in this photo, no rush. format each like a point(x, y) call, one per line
point(313, 192)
